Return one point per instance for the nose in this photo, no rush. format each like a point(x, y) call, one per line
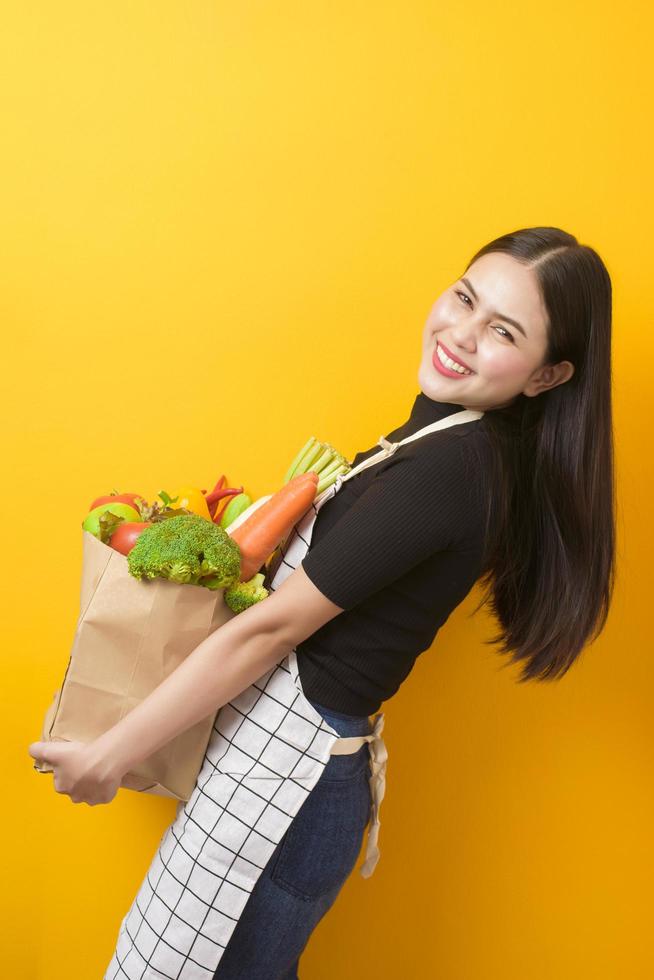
point(464, 335)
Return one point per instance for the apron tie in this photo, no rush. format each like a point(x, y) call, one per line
point(389, 447)
point(378, 758)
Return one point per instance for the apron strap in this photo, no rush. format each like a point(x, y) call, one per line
point(378, 759)
point(388, 447)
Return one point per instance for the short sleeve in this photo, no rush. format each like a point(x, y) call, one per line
point(417, 506)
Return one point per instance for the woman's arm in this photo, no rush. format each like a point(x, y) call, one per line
point(226, 663)
point(223, 665)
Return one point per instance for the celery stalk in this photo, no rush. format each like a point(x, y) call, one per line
point(310, 457)
point(322, 461)
point(328, 480)
point(335, 463)
point(290, 473)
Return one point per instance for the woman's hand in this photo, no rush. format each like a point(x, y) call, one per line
point(78, 771)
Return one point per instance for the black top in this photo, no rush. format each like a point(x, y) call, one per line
point(398, 548)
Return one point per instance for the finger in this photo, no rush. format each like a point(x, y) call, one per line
point(60, 784)
point(50, 752)
point(35, 749)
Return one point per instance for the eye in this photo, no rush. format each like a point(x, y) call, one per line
point(504, 333)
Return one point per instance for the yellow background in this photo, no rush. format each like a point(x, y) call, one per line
point(221, 229)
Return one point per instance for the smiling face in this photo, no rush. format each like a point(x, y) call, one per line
point(494, 326)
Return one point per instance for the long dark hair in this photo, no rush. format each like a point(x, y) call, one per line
point(549, 566)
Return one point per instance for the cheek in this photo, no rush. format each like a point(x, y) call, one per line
point(440, 318)
point(502, 363)
point(441, 310)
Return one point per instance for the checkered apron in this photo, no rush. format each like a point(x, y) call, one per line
point(268, 749)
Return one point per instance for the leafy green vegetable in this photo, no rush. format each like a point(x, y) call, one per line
point(108, 523)
point(187, 549)
point(244, 594)
point(157, 511)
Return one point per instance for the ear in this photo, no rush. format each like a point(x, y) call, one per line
point(548, 377)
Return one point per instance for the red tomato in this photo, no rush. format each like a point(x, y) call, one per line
point(124, 537)
point(117, 498)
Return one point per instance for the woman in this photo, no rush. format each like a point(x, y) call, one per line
point(502, 473)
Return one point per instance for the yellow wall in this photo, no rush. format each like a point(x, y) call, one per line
point(221, 229)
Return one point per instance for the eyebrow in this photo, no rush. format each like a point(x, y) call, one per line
point(500, 316)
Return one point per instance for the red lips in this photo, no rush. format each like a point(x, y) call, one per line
point(455, 359)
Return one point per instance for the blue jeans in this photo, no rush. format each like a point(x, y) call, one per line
point(307, 869)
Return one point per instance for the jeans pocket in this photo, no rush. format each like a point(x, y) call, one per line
point(321, 846)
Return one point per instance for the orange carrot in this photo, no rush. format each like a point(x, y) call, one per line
point(259, 535)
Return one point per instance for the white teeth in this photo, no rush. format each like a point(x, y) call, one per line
point(449, 363)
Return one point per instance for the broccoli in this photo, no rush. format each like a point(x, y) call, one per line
point(244, 594)
point(187, 549)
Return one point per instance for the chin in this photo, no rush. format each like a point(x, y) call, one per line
point(432, 388)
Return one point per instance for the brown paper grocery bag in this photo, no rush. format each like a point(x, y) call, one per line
point(130, 635)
